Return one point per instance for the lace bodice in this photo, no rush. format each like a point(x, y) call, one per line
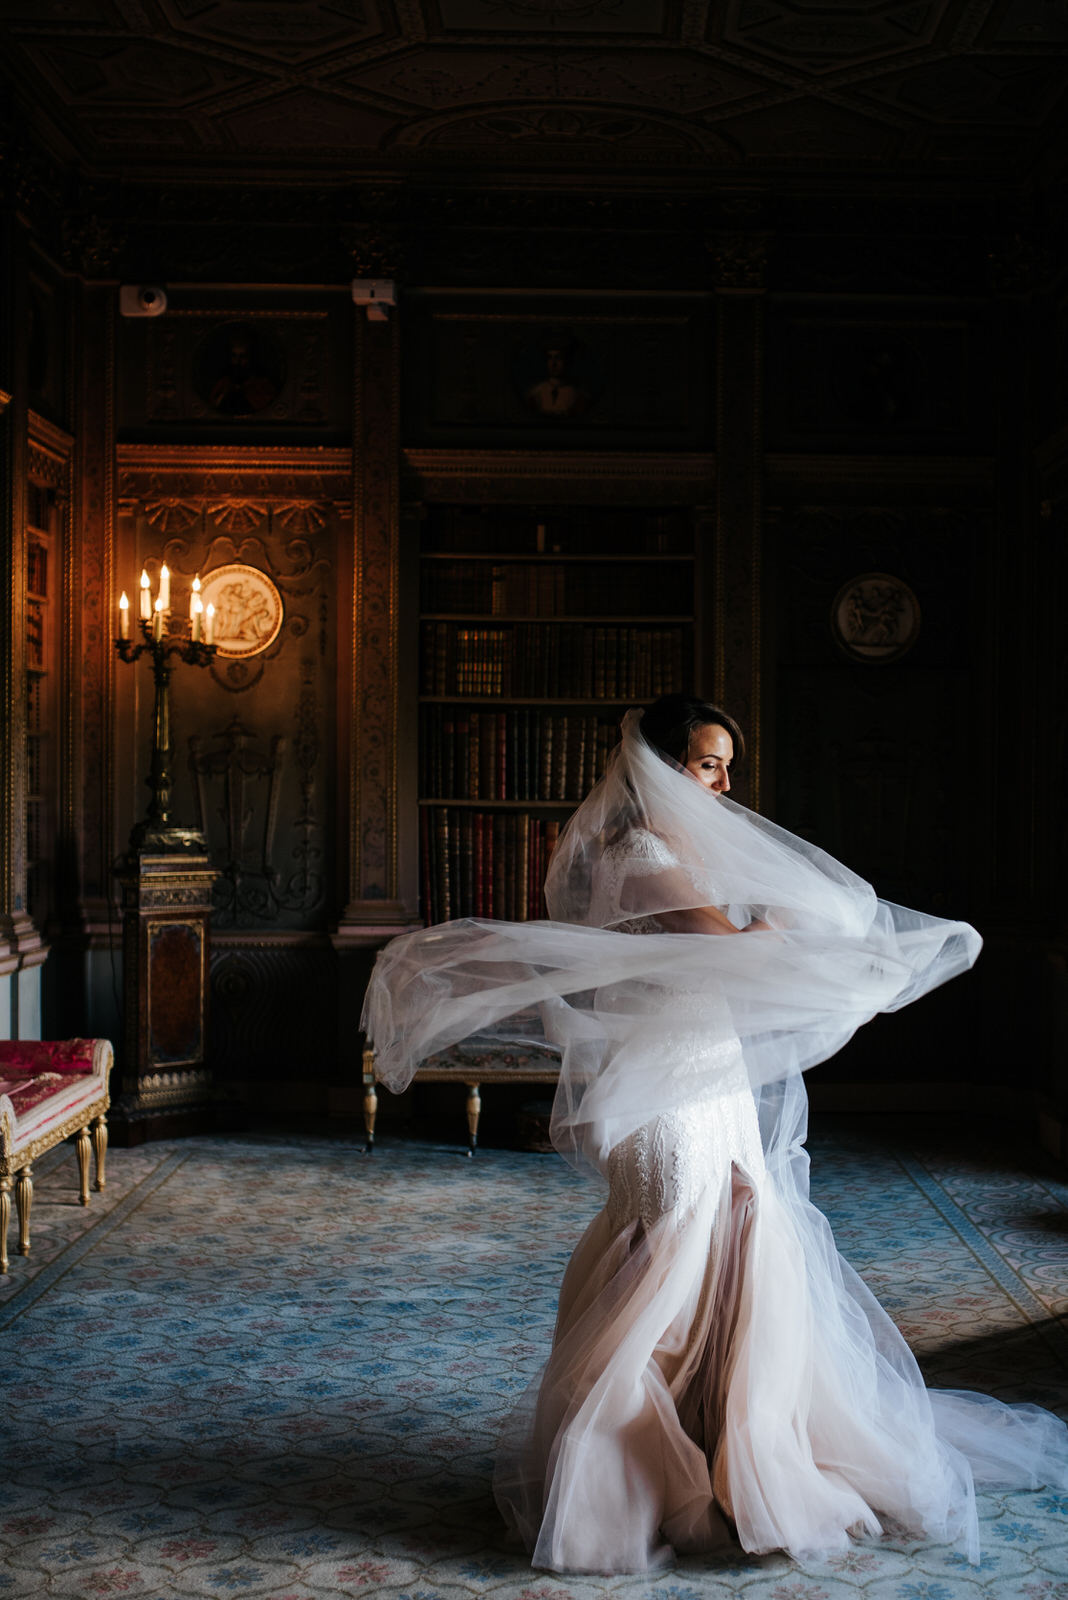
point(638, 852)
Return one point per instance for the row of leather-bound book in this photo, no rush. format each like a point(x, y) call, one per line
point(484, 863)
point(553, 660)
point(547, 589)
point(520, 754)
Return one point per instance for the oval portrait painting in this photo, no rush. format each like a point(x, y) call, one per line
point(875, 617)
point(248, 610)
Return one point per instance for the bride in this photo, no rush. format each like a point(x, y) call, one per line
point(717, 1370)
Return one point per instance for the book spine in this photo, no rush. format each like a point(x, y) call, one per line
point(443, 906)
point(448, 753)
point(522, 866)
point(500, 865)
point(545, 780)
point(462, 756)
point(474, 756)
point(552, 835)
point(559, 765)
point(513, 755)
point(426, 866)
point(501, 787)
point(452, 835)
point(489, 871)
point(467, 864)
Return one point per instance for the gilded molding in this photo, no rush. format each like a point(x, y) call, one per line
point(57, 1132)
point(170, 1088)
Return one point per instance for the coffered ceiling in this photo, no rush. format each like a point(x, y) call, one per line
point(961, 89)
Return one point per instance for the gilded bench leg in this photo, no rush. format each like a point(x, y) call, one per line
point(81, 1147)
point(23, 1202)
point(5, 1218)
point(474, 1111)
point(370, 1101)
point(370, 1112)
point(100, 1148)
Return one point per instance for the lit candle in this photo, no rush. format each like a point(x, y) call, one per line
point(198, 610)
point(209, 624)
point(124, 616)
point(146, 598)
point(194, 598)
point(165, 586)
point(157, 621)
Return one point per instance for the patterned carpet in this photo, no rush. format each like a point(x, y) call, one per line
point(270, 1368)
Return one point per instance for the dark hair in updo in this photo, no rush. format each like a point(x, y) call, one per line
point(670, 722)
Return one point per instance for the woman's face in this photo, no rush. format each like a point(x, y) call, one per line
point(710, 753)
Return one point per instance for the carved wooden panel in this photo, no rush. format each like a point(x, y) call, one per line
point(253, 740)
point(876, 763)
point(274, 1012)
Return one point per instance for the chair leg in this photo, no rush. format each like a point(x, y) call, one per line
point(81, 1148)
point(370, 1112)
point(474, 1111)
point(100, 1147)
point(23, 1202)
point(5, 1218)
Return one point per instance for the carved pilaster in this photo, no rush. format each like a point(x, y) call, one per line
point(374, 909)
point(739, 536)
point(18, 936)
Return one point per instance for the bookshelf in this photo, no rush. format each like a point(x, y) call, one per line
point(536, 630)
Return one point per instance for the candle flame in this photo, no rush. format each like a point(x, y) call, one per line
point(144, 578)
point(198, 604)
point(196, 584)
point(159, 605)
point(164, 571)
point(124, 604)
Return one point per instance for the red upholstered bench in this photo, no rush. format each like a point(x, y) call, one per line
point(49, 1089)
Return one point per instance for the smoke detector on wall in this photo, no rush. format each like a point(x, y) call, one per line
point(142, 300)
point(377, 294)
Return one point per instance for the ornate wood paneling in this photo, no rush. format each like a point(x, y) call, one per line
point(376, 907)
point(255, 738)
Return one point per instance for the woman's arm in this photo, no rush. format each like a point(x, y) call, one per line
point(704, 919)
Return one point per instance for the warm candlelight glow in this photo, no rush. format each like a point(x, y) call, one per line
point(146, 598)
point(124, 616)
point(197, 608)
point(209, 624)
point(157, 621)
point(194, 599)
point(165, 586)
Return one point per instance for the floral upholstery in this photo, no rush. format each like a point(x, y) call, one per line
point(49, 1090)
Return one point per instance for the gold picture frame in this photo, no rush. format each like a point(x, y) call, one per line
point(248, 610)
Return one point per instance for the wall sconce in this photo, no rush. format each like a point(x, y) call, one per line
point(377, 294)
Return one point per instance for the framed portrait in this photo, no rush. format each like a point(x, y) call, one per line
point(875, 617)
point(573, 371)
point(248, 610)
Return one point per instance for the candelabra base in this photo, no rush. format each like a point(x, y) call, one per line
point(149, 839)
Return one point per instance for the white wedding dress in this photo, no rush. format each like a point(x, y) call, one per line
point(717, 1369)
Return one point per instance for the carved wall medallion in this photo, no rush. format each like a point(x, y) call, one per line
point(248, 610)
point(875, 618)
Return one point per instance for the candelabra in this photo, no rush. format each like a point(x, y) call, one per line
point(153, 834)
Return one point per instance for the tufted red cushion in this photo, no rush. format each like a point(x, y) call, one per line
point(25, 1058)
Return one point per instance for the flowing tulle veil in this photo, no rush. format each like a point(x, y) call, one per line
point(834, 957)
point(827, 1415)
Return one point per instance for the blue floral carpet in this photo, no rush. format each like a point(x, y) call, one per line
point(271, 1368)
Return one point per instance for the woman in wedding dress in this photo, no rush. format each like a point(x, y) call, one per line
point(717, 1370)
